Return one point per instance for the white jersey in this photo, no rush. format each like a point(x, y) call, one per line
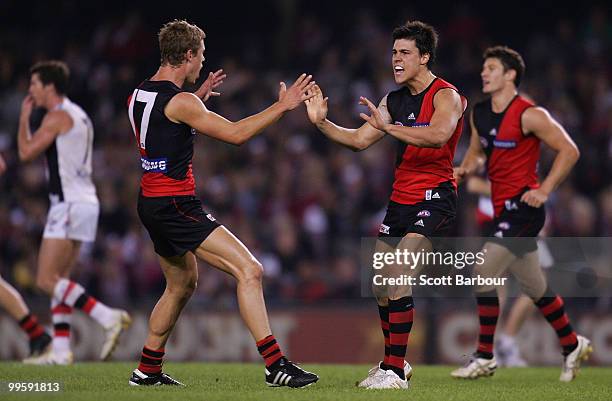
point(69, 159)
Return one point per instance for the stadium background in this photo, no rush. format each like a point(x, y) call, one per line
point(298, 201)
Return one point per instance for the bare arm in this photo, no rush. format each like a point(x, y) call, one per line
point(538, 121)
point(31, 145)
point(355, 139)
point(189, 109)
point(448, 110)
point(474, 157)
point(2, 165)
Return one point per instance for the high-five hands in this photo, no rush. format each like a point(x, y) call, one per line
point(316, 106)
point(375, 118)
point(215, 79)
point(297, 93)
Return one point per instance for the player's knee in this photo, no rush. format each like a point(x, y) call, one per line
point(252, 272)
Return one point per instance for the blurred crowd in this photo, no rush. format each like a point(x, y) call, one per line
point(298, 201)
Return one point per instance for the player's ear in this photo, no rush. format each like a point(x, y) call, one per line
point(425, 58)
point(510, 75)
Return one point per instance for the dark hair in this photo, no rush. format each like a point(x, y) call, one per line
point(510, 59)
point(424, 35)
point(176, 38)
point(53, 72)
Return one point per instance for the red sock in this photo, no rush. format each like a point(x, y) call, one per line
point(151, 361)
point(270, 351)
point(488, 313)
point(30, 325)
point(383, 312)
point(551, 306)
point(401, 314)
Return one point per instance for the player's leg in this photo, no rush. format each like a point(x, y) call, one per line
point(497, 260)
point(381, 294)
point(506, 345)
point(14, 304)
point(575, 348)
point(221, 249)
point(56, 259)
point(181, 273)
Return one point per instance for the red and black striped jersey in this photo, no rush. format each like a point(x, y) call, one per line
point(166, 147)
point(421, 169)
point(512, 156)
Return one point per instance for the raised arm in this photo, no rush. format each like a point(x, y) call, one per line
point(354, 139)
point(448, 110)
point(189, 109)
point(539, 122)
point(31, 145)
point(474, 157)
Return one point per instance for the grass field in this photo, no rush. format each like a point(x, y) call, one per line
point(208, 382)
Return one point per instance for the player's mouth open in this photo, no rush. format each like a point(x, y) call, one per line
point(398, 69)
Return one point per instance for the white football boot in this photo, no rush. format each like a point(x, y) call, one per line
point(112, 332)
point(51, 358)
point(475, 368)
point(376, 373)
point(389, 380)
point(571, 362)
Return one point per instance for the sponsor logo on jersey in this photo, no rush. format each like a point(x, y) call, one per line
point(210, 217)
point(411, 116)
point(510, 205)
point(484, 142)
point(504, 144)
point(420, 223)
point(154, 165)
point(193, 131)
point(384, 229)
point(499, 234)
point(399, 123)
point(435, 196)
point(493, 132)
point(504, 225)
point(424, 213)
point(418, 125)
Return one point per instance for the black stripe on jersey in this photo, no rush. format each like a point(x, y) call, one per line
point(55, 182)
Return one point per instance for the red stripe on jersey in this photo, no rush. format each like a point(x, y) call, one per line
point(426, 168)
point(158, 184)
point(514, 168)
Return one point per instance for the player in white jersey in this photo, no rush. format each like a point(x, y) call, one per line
point(66, 135)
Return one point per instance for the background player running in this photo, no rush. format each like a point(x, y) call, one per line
point(426, 117)
point(164, 119)
point(66, 135)
point(506, 132)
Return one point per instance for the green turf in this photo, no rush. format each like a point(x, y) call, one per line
point(208, 382)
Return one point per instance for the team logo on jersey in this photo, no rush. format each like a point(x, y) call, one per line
point(510, 205)
point(493, 132)
point(424, 213)
point(504, 144)
point(384, 229)
point(484, 142)
point(428, 194)
point(154, 165)
point(504, 225)
point(411, 116)
point(420, 223)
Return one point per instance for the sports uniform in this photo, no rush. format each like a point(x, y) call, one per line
point(512, 164)
point(74, 209)
point(167, 204)
point(424, 197)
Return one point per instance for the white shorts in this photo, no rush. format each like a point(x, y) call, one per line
point(72, 220)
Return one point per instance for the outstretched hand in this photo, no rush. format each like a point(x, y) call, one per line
point(215, 79)
point(375, 118)
point(297, 93)
point(316, 105)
